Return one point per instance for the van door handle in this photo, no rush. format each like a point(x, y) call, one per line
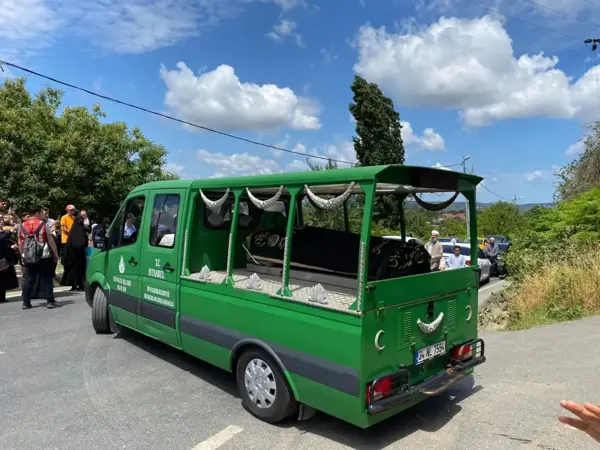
point(132, 261)
point(167, 267)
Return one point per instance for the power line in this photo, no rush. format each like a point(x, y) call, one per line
point(524, 21)
point(156, 113)
point(492, 192)
point(591, 3)
point(538, 5)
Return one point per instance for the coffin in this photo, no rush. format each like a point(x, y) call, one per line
point(337, 252)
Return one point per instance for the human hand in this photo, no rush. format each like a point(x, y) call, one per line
point(589, 418)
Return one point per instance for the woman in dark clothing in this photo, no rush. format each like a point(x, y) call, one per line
point(74, 259)
point(8, 257)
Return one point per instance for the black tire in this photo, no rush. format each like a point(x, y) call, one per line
point(100, 313)
point(283, 406)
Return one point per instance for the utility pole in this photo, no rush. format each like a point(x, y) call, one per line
point(594, 43)
point(515, 198)
point(467, 215)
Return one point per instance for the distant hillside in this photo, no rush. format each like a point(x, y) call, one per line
point(460, 206)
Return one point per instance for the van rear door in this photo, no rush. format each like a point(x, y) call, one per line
point(419, 319)
point(161, 265)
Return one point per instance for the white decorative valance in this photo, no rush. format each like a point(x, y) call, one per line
point(214, 205)
point(264, 204)
point(331, 203)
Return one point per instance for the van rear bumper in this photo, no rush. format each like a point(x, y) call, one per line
point(432, 386)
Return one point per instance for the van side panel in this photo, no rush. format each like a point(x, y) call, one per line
point(319, 349)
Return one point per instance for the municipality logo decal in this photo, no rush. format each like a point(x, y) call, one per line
point(122, 266)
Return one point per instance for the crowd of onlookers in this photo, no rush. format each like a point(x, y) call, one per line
point(38, 243)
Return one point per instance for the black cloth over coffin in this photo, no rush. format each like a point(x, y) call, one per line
point(337, 251)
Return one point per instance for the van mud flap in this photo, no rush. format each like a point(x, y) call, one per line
point(435, 385)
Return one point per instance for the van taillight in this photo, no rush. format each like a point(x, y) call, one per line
point(381, 389)
point(462, 353)
point(468, 262)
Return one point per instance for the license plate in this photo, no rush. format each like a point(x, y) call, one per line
point(430, 352)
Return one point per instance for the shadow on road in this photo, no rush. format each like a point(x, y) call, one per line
point(430, 416)
point(203, 370)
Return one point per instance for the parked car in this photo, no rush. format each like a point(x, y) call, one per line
point(449, 239)
point(499, 239)
point(465, 249)
point(408, 239)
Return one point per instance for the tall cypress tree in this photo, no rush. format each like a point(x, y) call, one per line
point(378, 140)
point(378, 129)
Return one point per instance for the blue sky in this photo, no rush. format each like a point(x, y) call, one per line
point(465, 81)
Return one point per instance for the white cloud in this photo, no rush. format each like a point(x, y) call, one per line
point(429, 141)
point(470, 65)
point(441, 166)
point(299, 148)
point(237, 164)
point(286, 28)
point(116, 26)
point(174, 168)
point(576, 149)
point(220, 100)
point(328, 56)
point(534, 175)
point(26, 27)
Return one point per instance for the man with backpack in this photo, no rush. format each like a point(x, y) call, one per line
point(39, 253)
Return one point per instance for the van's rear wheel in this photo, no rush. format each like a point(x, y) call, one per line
point(100, 313)
point(263, 387)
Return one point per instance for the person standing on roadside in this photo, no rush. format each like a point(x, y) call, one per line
point(66, 222)
point(8, 216)
point(75, 257)
point(8, 257)
point(436, 250)
point(39, 252)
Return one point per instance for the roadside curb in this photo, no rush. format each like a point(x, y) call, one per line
point(486, 301)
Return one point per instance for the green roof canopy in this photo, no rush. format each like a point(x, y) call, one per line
point(389, 178)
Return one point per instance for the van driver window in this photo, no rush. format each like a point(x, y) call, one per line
point(164, 220)
point(126, 226)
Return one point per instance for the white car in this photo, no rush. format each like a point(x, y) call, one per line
point(465, 249)
point(408, 239)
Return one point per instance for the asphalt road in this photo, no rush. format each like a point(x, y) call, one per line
point(63, 387)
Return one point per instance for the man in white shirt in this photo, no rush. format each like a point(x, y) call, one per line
point(456, 260)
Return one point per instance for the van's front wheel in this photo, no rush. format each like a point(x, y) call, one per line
point(100, 313)
point(263, 388)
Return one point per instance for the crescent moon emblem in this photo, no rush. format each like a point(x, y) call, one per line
point(469, 312)
point(377, 337)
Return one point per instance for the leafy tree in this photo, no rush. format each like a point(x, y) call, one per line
point(583, 173)
point(501, 218)
point(329, 165)
point(55, 159)
point(378, 140)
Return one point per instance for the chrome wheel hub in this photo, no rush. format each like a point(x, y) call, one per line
point(260, 383)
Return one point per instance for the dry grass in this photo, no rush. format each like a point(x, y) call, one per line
point(558, 291)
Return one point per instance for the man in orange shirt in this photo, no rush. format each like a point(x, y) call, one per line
point(66, 222)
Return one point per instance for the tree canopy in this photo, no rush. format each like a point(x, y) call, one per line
point(54, 159)
point(378, 140)
point(378, 129)
point(583, 173)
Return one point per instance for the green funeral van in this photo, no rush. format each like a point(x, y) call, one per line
point(237, 272)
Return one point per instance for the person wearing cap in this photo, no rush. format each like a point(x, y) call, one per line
point(436, 250)
point(66, 222)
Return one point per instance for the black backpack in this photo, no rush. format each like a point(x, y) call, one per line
point(33, 249)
